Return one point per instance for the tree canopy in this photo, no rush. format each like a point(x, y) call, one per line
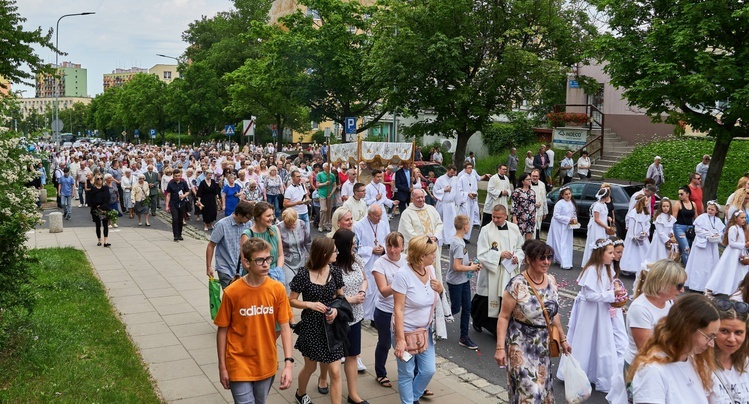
point(17, 50)
point(684, 60)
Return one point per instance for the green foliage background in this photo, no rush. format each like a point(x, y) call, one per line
point(500, 137)
point(680, 157)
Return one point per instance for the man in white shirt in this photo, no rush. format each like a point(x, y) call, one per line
point(356, 203)
point(371, 232)
point(550, 169)
point(446, 192)
point(296, 197)
point(702, 168)
point(542, 208)
point(376, 192)
point(437, 157)
point(497, 193)
point(569, 165)
point(347, 189)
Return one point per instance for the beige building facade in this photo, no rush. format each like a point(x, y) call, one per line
point(41, 105)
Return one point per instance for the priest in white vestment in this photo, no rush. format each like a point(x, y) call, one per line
point(498, 192)
point(371, 232)
point(421, 219)
point(447, 194)
point(500, 250)
point(376, 192)
point(356, 203)
point(542, 208)
point(469, 203)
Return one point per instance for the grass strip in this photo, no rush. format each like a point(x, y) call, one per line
point(76, 349)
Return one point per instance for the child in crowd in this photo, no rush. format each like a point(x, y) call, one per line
point(459, 279)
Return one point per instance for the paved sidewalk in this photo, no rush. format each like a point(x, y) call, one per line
point(159, 290)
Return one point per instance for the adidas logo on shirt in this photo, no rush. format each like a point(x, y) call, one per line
point(255, 311)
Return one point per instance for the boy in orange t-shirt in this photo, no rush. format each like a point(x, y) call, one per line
point(246, 336)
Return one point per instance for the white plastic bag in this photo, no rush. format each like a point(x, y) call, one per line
point(576, 385)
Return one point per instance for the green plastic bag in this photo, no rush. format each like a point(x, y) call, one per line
point(214, 296)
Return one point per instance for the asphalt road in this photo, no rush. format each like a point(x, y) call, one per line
point(480, 362)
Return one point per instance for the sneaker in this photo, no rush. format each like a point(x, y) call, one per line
point(80, 205)
point(360, 366)
point(303, 399)
point(466, 342)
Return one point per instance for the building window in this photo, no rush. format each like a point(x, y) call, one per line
point(315, 125)
point(167, 75)
point(313, 13)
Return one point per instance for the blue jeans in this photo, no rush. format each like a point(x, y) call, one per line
point(252, 392)
point(382, 322)
point(460, 299)
point(81, 192)
point(412, 388)
point(273, 201)
point(67, 203)
point(681, 238)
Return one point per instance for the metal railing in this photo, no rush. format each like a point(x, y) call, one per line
point(595, 145)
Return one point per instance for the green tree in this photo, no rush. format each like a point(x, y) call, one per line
point(685, 60)
point(466, 61)
point(17, 50)
point(103, 113)
point(335, 51)
point(141, 103)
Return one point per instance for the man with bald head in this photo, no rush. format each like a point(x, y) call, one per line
point(371, 232)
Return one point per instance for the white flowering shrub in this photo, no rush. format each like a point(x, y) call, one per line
point(18, 215)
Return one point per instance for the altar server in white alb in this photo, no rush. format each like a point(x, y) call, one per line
point(469, 202)
point(371, 232)
point(560, 234)
point(421, 219)
point(704, 256)
point(597, 332)
point(598, 223)
point(542, 208)
point(663, 237)
point(636, 243)
point(498, 192)
point(376, 192)
point(447, 193)
point(729, 271)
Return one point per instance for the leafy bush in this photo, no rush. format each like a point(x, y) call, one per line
point(489, 164)
point(18, 215)
point(679, 158)
point(561, 118)
point(500, 137)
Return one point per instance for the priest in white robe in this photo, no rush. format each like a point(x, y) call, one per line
point(376, 192)
point(446, 192)
point(371, 232)
point(498, 192)
point(469, 203)
point(421, 219)
point(542, 208)
point(356, 203)
point(500, 251)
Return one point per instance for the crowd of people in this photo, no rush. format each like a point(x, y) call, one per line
point(259, 208)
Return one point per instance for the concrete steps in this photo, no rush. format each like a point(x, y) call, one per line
point(614, 150)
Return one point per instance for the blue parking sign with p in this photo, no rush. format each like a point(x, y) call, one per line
point(351, 124)
point(152, 132)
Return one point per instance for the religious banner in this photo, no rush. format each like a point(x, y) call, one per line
point(344, 152)
point(385, 151)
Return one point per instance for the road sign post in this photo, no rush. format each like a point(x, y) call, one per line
point(230, 130)
point(350, 126)
point(152, 132)
point(249, 128)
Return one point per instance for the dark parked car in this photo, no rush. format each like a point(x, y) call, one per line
point(426, 166)
point(584, 193)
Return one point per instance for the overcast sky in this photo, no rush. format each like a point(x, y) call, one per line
point(121, 34)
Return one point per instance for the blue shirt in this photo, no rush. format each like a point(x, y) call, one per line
point(226, 235)
point(66, 185)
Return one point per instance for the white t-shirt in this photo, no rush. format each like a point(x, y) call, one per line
point(388, 268)
point(730, 387)
point(296, 194)
point(419, 297)
point(642, 314)
point(675, 382)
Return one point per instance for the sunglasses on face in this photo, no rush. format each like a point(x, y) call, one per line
point(680, 286)
point(740, 307)
point(549, 257)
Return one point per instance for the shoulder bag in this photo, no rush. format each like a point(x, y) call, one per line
point(417, 341)
point(554, 340)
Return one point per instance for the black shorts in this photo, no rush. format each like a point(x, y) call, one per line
point(354, 340)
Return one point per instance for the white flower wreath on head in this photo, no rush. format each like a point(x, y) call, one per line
point(601, 193)
point(601, 244)
point(618, 242)
point(562, 189)
point(737, 213)
point(713, 202)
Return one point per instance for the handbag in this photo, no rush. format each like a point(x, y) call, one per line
point(673, 253)
point(214, 296)
point(417, 341)
point(690, 233)
point(555, 346)
point(744, 258)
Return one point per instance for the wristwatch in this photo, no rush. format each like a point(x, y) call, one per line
point(288, 360)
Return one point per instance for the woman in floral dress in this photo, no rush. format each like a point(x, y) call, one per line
point(522, 334)
point(524, 206)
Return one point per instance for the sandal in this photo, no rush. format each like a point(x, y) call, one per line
point(384, 381)
point(427, 393)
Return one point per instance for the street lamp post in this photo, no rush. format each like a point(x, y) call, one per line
point(179, 120)
point(57, 66)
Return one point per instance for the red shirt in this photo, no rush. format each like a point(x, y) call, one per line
point(696, 198)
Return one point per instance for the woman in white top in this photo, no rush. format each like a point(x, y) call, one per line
point(664, 232)
point(596, 332)
point(560, 234)
point(415, 293)
point(737, 201)
point(674, 365)
point(583, 165)
point(731, 354)
point(636, 243)
point(528, 163)
point(127, 183)
point(729, 271)
point(598, 223)
point(741, 187)
point(704, 255)
point(384, 270)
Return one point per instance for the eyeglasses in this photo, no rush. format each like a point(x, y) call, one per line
point(740, 307)
point(710, 338)
point(549, 257)
point(263, 261)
